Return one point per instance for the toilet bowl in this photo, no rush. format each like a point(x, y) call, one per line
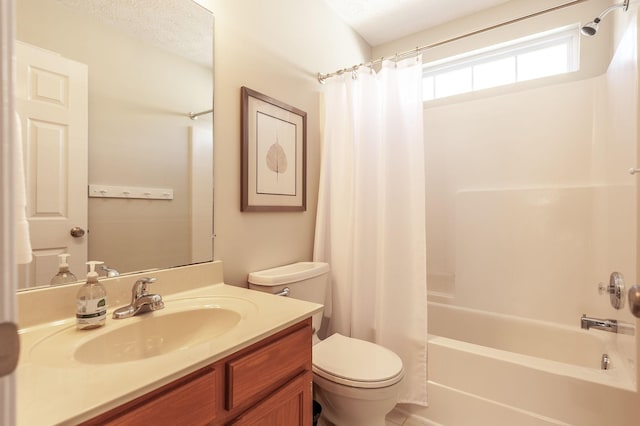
point(355, 381)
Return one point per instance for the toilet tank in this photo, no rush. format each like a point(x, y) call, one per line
point(306, 280)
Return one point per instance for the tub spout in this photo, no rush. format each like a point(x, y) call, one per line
point(610, 325)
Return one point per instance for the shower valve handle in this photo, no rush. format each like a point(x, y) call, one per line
point(634, 170)
point(615, 289)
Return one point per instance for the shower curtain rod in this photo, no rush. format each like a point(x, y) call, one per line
point(322, 77)
point(195, 115)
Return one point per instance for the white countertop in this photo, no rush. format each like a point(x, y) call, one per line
point(58, 390)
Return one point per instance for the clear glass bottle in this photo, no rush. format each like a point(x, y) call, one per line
point(63, 276)
point(91, 301)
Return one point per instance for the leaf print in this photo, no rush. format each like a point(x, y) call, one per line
point(277, 159)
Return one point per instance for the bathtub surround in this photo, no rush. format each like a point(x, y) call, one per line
point(530, 205)
point(530, 202)
point(371, 213)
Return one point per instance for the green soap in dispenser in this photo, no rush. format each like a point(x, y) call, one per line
point(63, 276)
point(91, 301)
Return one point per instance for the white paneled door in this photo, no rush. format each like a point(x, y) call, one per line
point(52, 101)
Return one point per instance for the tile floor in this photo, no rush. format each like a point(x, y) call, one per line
point(396, 418)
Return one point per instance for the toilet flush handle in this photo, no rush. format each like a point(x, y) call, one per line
point(285, 292)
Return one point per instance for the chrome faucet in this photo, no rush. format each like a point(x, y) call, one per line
point(610, 325)
point(141, 300)
point(110, 272)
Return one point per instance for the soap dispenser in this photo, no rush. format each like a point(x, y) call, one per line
point(63, 276)
point(91, 301)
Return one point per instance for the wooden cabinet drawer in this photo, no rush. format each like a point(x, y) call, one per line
point(252, 376)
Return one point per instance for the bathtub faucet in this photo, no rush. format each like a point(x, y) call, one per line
point(610, 325)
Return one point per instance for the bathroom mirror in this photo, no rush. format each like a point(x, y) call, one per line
point(148, 199)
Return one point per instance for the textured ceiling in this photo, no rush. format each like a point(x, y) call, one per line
point(186, 28)
point(182, 27)
point(380, 21)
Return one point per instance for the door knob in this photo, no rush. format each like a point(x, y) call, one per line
point(9, 349)
point(76, 232)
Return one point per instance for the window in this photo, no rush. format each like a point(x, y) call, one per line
point(541, 55)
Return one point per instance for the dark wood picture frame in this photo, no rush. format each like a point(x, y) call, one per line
point(274, 154)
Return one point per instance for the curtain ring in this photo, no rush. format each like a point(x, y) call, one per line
point(354, 73)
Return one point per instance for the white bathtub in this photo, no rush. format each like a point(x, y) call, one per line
point(490, 369)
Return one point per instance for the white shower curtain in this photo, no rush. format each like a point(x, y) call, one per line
point(370, 224)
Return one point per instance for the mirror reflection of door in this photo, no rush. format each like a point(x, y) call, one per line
point(52, 101)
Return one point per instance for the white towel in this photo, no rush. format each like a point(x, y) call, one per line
point(22, 240)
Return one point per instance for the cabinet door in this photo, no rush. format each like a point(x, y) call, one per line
point(289, 406)
point(187, 401)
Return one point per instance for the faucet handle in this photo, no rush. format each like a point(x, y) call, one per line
point(615, 289)
point(140, 286)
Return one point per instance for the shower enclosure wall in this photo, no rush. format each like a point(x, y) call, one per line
point(530, 205)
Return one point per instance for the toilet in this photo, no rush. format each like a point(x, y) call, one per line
point(355, 381)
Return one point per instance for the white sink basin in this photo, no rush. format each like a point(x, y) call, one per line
point(157, 336)
point(181, 325)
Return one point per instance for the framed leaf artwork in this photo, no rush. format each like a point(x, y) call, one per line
point(274, 157)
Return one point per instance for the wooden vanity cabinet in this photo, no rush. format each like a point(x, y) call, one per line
point(189, 400)
point(270, 382)
point(267, 383)
point(289, 405)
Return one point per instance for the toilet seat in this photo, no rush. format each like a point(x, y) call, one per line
point(356, 363)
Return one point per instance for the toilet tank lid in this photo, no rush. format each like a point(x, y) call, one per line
point(288, 273)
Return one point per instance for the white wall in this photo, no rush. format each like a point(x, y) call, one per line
point(276, 48)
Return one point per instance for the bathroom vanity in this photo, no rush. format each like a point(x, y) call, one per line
point(252, 364)
point(267, 383)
